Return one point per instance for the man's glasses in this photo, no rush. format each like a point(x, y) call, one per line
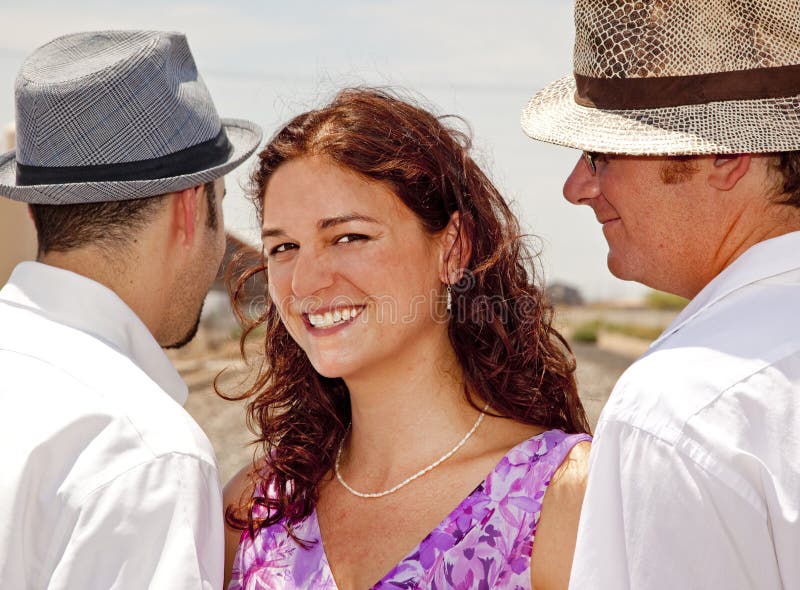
point(591, 160)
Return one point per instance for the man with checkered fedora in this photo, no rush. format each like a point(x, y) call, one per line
point(688, 116)
point(107, 481)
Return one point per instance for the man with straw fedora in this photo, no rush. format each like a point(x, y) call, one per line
point(107, 482)
point(688, 116)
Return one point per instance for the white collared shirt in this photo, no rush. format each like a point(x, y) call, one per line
point(695, 467)
point(106, 481)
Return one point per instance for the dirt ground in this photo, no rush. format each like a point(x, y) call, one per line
point(224, 421)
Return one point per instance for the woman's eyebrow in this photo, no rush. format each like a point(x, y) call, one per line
point(272, 232)
point(326, 223)
point(333, 221)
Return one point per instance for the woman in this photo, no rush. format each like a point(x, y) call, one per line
point(407, 354)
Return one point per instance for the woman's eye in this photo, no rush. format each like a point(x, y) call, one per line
point(281, 248)
point(347, 238)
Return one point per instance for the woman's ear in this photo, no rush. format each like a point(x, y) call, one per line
point(727, 170)
point(455, 249)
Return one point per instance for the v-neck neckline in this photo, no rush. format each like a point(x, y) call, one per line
point(317, 532)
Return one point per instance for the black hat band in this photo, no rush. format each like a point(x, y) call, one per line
point(198, 157)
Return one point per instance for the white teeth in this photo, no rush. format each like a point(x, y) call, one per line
point(329, 319)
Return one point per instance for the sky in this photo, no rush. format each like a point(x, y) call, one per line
point(269, 60)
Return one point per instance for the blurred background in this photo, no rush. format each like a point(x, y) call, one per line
point(267, 61)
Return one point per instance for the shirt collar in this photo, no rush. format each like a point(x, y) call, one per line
point(81, 303)
point(763, 260)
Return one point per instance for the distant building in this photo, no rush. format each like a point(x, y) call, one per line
point(17, 233)
point(562, 294)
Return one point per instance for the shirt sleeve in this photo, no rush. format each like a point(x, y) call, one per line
point(654, 519)
point(158, 525)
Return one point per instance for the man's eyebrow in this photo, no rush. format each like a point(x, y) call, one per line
point(326, 223)
point(333, 221)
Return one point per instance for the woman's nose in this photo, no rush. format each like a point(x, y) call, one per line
point(312, 273)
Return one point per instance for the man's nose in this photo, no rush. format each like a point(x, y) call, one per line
point(581, 185)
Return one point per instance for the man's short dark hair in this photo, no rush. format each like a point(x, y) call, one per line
point(60, 228)
point(787, 165)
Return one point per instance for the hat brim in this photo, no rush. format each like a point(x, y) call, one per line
point(243, 136)
point(729, 127)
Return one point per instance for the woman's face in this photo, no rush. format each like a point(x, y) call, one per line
point(355, 277)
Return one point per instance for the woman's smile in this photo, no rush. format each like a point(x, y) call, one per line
point(323, 323)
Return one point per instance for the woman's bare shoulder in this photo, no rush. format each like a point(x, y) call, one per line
point(571, 476)
point(240, 486)
point(554, 544)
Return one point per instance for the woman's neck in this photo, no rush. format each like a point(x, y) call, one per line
point(404, 417)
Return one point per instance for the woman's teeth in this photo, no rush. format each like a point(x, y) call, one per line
point(332, 318)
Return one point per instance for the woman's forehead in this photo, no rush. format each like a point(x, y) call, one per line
point(315, 189)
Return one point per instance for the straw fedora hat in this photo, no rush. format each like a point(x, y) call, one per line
point(677, 77)
point(115, 115)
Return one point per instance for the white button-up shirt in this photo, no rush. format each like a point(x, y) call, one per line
point(106, 481)
point(695, 468)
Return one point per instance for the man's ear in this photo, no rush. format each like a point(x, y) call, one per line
point(456, 247)
point(186, 213)
point(728, 170)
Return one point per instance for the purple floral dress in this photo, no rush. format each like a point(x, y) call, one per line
point(484, 543)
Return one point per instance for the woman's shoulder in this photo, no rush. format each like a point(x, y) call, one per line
point(524, 444)
point(572, 472)
point(569, 456)
point(555, 536)
point(250, 480)
point(554, 445)
point(554, 461)
point(541, 459)
point(240, 487)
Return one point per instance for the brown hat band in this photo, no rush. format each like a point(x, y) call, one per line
point(674, 91)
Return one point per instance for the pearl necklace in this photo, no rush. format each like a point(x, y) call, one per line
point(408, 480)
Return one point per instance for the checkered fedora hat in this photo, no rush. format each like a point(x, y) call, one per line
point(677, 77)
point(115, 115)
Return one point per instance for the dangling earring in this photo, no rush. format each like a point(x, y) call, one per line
point(449, 299)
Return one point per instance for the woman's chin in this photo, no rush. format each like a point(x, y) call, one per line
point(330, 374)
point(332, 369)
